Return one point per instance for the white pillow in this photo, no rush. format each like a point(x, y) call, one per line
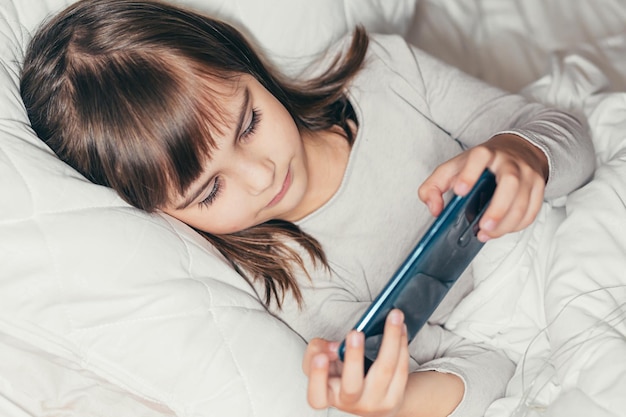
point(106, 310)
point(289, 31)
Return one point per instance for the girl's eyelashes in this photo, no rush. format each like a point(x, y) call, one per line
point(217, 188)
point(217, 183)
point(249, 131)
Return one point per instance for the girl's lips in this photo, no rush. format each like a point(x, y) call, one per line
point(283, 190)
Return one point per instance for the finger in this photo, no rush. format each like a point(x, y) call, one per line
point(478, 159)
point(434, 200)
point(502, 201)
point(352, 378)
point(525, 189)
point(534, 203)
point(384, 367)
point(314, 347)
point(317, 392)
point(520, 218)
point(512, 219)
point(397, 386)
point(441, 178)
point(332, 350)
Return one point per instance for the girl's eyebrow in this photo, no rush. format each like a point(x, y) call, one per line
point(194, 194)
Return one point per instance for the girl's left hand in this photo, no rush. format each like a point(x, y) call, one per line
point(345, 386)
point(521, 171)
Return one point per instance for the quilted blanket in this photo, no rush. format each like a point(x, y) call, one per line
point(109, 311)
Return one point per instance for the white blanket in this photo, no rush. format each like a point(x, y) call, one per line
point(560, 315)
point(105, 310)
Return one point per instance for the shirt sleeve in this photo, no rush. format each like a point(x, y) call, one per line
point(484, 371)
point(472, 111)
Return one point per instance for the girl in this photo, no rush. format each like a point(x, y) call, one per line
point(307, 186)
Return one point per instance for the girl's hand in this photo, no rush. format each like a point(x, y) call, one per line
point(343, 385)
point(521, 171)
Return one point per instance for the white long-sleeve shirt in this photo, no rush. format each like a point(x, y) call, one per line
point(414, 112)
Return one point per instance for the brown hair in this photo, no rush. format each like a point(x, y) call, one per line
point(118, 89)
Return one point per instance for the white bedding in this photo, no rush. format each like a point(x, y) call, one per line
point(107, 311)
point(562, 316)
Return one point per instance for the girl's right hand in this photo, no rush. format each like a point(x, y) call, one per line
point(521, 171)
point(344, 386)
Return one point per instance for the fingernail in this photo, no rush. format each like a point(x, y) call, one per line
point(395, 317)
point(489, 225)
point(483, 237)
point(333, 346)
point(355, 339)
point(319, 361)
point(461, 188)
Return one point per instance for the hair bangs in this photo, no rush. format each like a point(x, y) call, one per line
point(207, 119)
point(150, 125)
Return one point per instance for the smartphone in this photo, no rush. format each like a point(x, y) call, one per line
point(430, 270)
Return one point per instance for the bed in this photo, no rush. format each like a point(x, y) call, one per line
point(108, 311)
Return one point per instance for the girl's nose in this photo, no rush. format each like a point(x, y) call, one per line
point(257, 174)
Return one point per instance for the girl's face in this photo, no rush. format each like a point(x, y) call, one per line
point(257, 172)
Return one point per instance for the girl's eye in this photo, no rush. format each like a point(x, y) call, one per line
point(249, 131)
point(217, 188)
